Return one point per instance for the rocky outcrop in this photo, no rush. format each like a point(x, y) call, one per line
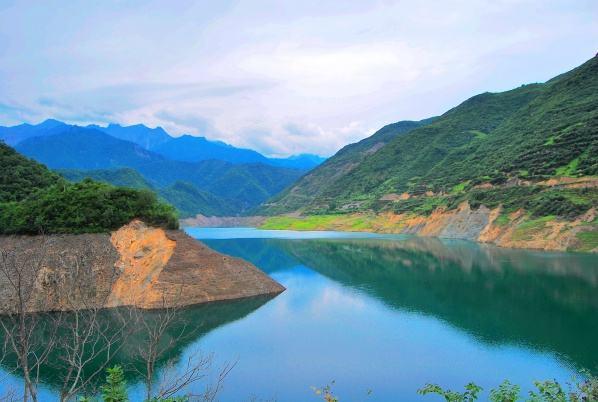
point(517, 231)
point(136, 265)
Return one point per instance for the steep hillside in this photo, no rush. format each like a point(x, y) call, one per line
point(136, 265)
point(531, 133)
point(310, 186)
point(21, 177)
point(222, 187)
point(124, 177)
point(517, 168)
point(35, 200)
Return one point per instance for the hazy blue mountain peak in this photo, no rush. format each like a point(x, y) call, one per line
point(50, 123)
point(185, 148)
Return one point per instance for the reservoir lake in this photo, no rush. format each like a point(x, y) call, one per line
point(379, 316)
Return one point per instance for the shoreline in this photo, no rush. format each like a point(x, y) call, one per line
point(483, 225)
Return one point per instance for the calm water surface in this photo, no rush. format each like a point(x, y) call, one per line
point(390, 313)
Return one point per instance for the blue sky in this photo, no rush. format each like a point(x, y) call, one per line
point(281, 77)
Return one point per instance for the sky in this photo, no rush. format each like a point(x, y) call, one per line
point(281, 77)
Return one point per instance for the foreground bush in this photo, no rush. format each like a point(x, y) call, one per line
point(546, 391)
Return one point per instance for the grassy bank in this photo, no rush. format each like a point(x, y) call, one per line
point(346, 222)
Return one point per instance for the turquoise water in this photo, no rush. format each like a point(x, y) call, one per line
point(391, 313)
point(253, 233)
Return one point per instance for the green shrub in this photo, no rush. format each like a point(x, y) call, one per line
point(115, 389)
point(546, 391)
point(84, 207)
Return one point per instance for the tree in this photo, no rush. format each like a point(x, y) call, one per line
point(469, 395)
point(72, 340)
point(160, 331)
point(78, 339)
point(87, 340)
point(115, 389)
point(21, 328)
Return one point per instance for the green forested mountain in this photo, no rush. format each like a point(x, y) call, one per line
point(34, 200)
point(124, 177)
point(222, 187)
point(528, 134)
point(185, 197)
point(21, 177)
point(310, 186)
point(189, 201)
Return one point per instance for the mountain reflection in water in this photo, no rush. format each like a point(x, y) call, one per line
point(387, 314)
point(188, 326)
point(546, 301)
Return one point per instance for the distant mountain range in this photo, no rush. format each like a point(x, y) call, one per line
point(186, 148)
point(120, 155)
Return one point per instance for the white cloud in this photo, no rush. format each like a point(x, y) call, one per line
point(282, 77)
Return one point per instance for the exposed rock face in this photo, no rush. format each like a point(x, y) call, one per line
point(134, 266)
point(170, 267)
point(143, 252)
point(517, 230)
point(481, 225)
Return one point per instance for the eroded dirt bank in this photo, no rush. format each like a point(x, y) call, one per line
point(515, 230)
point(136, 265)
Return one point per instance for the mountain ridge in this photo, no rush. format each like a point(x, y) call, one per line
point(221, 187)
point(527, 133)
point(517, 168)
point(185, 148)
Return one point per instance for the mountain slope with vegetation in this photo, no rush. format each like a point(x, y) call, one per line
point(185, 197)
point(310, 186)
point(532, 149)
point(197, 175)
point(124, 177)
point(21, 177)
point(34, 200)
point(221, 188)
